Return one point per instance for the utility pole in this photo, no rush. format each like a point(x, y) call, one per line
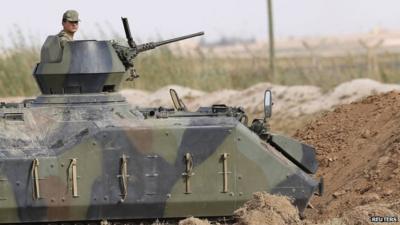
point(271, 40)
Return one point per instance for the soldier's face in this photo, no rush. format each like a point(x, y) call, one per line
point(71, 27)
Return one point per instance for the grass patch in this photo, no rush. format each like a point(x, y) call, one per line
point(209, 72)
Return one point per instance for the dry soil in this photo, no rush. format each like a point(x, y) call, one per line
point(358, 148)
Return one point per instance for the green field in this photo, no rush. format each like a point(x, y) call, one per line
point(209, 72)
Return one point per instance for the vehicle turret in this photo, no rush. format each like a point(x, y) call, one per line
point(90, 66)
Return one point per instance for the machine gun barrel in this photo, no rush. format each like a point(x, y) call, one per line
point(152, 45)
point(128, 34)
point(178, 39)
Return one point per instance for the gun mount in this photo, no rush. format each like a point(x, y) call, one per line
point(128, 54)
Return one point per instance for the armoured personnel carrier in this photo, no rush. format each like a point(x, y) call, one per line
point(80, 153)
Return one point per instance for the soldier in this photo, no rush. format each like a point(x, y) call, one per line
point(70, 22)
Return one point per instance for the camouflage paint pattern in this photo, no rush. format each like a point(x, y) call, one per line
point(97, 135)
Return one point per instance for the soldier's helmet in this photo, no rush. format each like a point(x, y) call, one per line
point(71, 16)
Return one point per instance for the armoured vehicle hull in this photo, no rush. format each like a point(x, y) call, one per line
point(80, 152)
point(109, 160)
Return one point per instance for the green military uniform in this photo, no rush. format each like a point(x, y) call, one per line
point(64, 37)
point(71, 16)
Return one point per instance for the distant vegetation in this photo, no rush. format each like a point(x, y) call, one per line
point(16, 66)
point(209, 72)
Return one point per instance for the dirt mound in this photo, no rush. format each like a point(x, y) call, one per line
point(293, 105)
point(291, 101)
point(358, 147)
point(362, 214)
point(345, 93)
point(193, 221)
point(267, 209)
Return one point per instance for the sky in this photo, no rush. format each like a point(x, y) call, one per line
point(217, 18)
